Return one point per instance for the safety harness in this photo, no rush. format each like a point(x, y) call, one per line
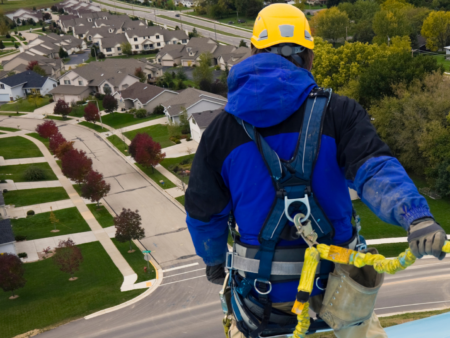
point(257, 267)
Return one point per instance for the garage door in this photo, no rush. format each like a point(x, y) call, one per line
point(4, 98)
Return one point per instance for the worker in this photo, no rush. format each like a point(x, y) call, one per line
point(279, 131)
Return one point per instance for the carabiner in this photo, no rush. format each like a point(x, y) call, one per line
point(288, 202)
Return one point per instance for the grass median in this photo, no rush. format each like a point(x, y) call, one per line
point(158, 132)
point(45, 141)
point(50, 299)
point(180, 199)
point(121, 120)
point(9, 129)
point(102, 215)
point(17, 172)
point(119, 144)
point(21, 198)
point(18, 147)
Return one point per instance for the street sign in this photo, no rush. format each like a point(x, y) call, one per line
point(146, 257)
point(146, 251)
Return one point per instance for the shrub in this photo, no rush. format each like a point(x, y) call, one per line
point(5, 191)
point(81, 102)
point(33, 173)
point(20, 238)
point(8, 36)
point(186, 161)
point(188, 138)
point(22, 255)
point(140, 113)
point(3, 181)
point(176, 169)
point(159, 110)
point(177, 141)
point(30, 212)
point(99, 96)
point(51, 100)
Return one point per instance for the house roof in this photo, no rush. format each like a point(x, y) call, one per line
point(42, 60)
point(141, 91)
point(187, 98)
point(113, 40)
point(6, 233)
point(69, 90)
point(30, 78)
point(204, 119)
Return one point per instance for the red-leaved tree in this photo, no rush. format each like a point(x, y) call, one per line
point(11, 273)
point(145, 151)
point(47, 129)
point(55, 141)
point(128, 226)
point(62, 108)
point(76, 165)
point(31, 65)
point(68, 257)
point(91, 113)
point(94, 187)
point(109, 103)
point(63, 148)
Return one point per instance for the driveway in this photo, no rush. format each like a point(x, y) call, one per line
point(76, 59)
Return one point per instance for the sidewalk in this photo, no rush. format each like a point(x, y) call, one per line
point(162, 120)
point(16, 161)
point(10, 185)
point(21, 212)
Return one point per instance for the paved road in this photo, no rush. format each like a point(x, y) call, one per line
point(149, 14)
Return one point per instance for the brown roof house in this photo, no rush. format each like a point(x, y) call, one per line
point(70, 93)
point(198, 122)
point(52, 67)
point(143, 96)
point(230, 59)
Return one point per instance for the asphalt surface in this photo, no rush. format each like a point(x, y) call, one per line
point(76, 59)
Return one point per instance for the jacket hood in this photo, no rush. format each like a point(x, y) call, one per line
point(265, 89)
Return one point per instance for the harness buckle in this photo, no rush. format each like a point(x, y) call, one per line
point(229, 260)
point(289, 201)
point(265, 282)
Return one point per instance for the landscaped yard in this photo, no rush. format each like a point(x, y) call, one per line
point(17, 172)
point(21, 198)
point(158, 132)
point(102, 215)
point(119, 144)
point(136, 260)
point(96, 127)
point(157, 177)
point(18, 147)
point(45, 141)
point(178, 164)
point(53, 117)
point(39, 225)
point(443, 61)
point(25, 105)
point(120, 120)
point(78, 111)
point(49, 298)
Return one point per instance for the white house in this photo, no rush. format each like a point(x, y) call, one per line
point(25, 83)
point(70, 93)
point(198, 122)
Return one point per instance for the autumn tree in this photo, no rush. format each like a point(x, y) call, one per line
point(11, 273)
point(109, 103)
point(436, 29)
point(139, 73)
point(47, 129)
point(145, 151)
point(55, 141)
point(35, 98)
point(128, 227)
point(62, 108)
point(91, 113)
point(68, 258)
point(76, 165)
point(94, 187)
point(31, 65)
point(390, 23)
point(330, 24)
point(47, 16)
point(63, 148)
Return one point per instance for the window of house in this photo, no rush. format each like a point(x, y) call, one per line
point(118, 48)
point(136, 47)
point(108, 49)
point(90, 38)
point(107, 88)
point(151, 45)
point(125, 86)
point(80, 83)
point(54, 86)
point(157, 36)
point(2, 86)
point(135, 39)
point(158, 44)
point(67, 82)
point(184, 40)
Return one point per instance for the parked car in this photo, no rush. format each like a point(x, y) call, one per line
point(177, 15)
point(231, 22)
point(241, 21)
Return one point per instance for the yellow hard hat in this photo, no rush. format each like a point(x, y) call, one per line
point(281, 23)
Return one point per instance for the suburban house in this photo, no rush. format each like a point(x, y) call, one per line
point(49, 45)
point(69, 22)
point(233, 58)
point(186, 3)
point(70, 93)
point(52, 67)
point(24, 14)
point(143, 96)
point(189, 54)
point(22, 84)
point(198, 122)
point(73, 6)
point(193, 101)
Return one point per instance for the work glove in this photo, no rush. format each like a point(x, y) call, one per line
point(216, 274)
point(426, 237)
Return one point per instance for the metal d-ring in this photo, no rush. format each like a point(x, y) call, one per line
point(288, 202)
point(265, 282)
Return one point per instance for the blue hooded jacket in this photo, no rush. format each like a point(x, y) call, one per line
point(228, 172)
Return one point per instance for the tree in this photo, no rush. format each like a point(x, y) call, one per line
point(2, 46)
point(390, 23)
point(94, 187)
point(38, 70)
point(36, 98)
point(203, 72)
point(128, 227)
point(47, 16)
point(145, 151)
point(91, 113)
point(159, 110)
point(53, 220)
point(63, 148)
point(76, 165)
point(4, 27)
point(68, 258)
point(94, 51)
point(109, 103)
point(54, 8)
point(139, 73)
point(330, 24)
point(62, 108)
point(55, 141)
point(184, 123)
point(150, 23)
point(126, 48)
point(11, 273)
point(242, 44)
point(177, 28)
point(194, 34)
point(31, 65)
point(300, 4)
point(47, 129)
point(62, 53)
point(436, 29)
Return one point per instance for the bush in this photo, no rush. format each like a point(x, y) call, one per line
point(30, 212)
point(5, 191)
point(99, 96)
point(159, 110)
point(217, 67)
point(176, 169)
point(34, 173)
point(3, 181)
point(140, 113)
point(177, 141)
point(8, 36)
point(20, 238)
point(51, 100)
point(188, 138)
point(186, 161)
point(81, 102)
point(22, 255)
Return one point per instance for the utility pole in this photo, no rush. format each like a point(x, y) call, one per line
point(181, 19)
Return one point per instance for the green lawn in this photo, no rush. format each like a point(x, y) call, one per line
point(25, 105)
point(78, 111)
point(9, 129)
point(50, 299)
point(59, 118)
point(173, 163)
point(443, 61)
point(180, 199)
point(119, 144)
point(248, 24)
point(158, 132)
point(11, 114)
point(96, 127)
point(45, 141)
point(17, 172)
point(101, 215)
point(157, 177)
point(21, 198)
point(18, 147)
point(77, 188)
point(39, 226)
point(120, 120)
point(391, 250)
point(136, 261)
